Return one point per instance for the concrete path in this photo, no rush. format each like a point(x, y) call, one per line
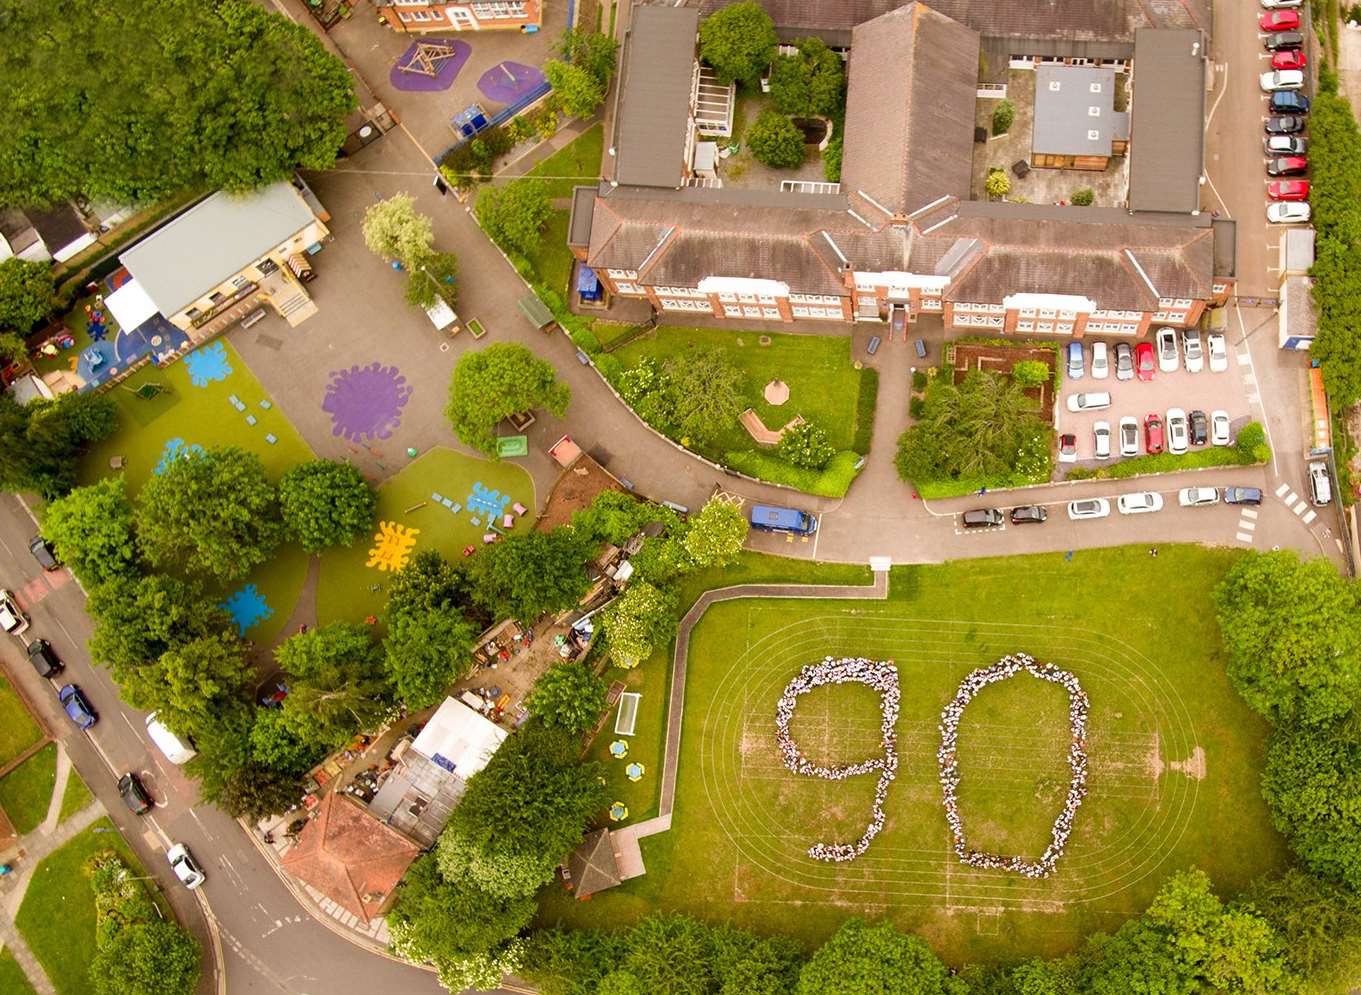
point(49, 824)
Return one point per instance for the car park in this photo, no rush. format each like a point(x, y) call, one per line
point(1153, 435)
point(1088, 508)
point(1279, 20)
point(1144, 363)
point(1178, 432)
point(1197, 497)
point(1101, 366)
point(1288, 189)
point(1218, 351)
point(1139, 503)
point(1289, 58)
point(1288, 213)
point(77, 706)
point(1242, 495)
point(43, 552)
point(1288, 102)
point(1101, 439)
point(1129, 436)
point(43, 658)
point(1320, 484)
point(1192, 351)
point(981, 518)
point(1281, 79)
point(1068, 448)
point(1282, 40)
point(1167, 350)
point(12, 617)
point(1285, 145)
point(1029, 514)
point(1284, 124)
point(1074, 360)
point(1200, 428)
point(134, 796)
point(1091, 401)
point(1219, 428)
point(184, 865)
point(1289, 165)
point(1124, 361)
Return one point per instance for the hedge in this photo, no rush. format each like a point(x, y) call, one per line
point(864, 410)
point(834, 480)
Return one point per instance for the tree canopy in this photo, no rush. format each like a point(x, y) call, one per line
point(579, 92)
point(569, 696)
point(739, 41)
point(325, 503)
point(337, 686)
point(593, 51)
point(136, 950)
point(614, 516)
point(28, 294)
point(525, 576)
point(426, 652)
point(706, 394)
point(91, 530)
point(641, 618)
point(138, 619)
point(493, 383)
point(514, 214)
point(862, 956)
point(394, 229)
point(42, 442)
point(775, 140)
point(714, 537)
point(810, 83)
point(194, 682)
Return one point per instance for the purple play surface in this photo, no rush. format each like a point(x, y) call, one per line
point(366, 402)
point(446, 70)
point(507, 82)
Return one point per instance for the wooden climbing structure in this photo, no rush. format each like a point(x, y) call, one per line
point(426, 57)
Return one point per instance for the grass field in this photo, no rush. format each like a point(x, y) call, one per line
point(75, 797)
point(12, 978)
point(26, 791)
point(1173, 777)
point(18, 731)
point(579, 160)
point(551, 258)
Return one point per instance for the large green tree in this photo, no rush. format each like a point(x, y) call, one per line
point(213, 513)
point(739, 41)
point(140, 100)
point(426, 653)
point(91, 530)
point(705, 393)
point(255, 790)
point(579, 92)
point(42, 442)
point(28, 294)
point(138, 619)
point(568, 695)
point(137, 950)
point(774, 139)
point(394, 229)
point(1318, 922)
point(514, 214)
point(193, 683)
point(326, 503)
point(810, 83)
point(614, 516)
point(428, 583)
point(336, 682)
point(592, 51)
point(643, 617)
point(1293, 635)
point(865, 957)
point(715, 536)
point(525, 576)
point(494, 383)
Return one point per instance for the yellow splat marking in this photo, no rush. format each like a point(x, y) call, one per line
point(393, 549)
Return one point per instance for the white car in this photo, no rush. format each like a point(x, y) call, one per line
point(1282, 79)
point(184, 865)
point(1101, 431)
point(1101, 364)
point(1320, 484)
point(12, 617)
point(1219, 428)
point(1089, 508)
point(1168, 360)
point(1139, 503)
point(1192, 351)
point(1219, 352)
point(1273, 4)
point(1129, 436)
point(1092, 401)
point(1197, 497)
point(1288, 212)
point(1178, 431)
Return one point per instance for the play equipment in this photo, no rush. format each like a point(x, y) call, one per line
point(469, 121)
point(425, 57)
point(147, 391)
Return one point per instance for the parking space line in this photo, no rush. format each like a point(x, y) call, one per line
point(1310, 517)
point(1244, 538)
point(1340, 547)
point(1248, 513)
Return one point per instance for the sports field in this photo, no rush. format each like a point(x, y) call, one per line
point(1174, 757)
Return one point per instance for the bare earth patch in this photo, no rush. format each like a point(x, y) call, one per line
point(1193, 766)
point(1155, 759)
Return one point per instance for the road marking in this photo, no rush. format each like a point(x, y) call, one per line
point(1310, 517)
point(1244, 538)
point(1340, 547)
point(1248, 513)
point(1248, 526)
point(1282, 489)
point(1299, 509)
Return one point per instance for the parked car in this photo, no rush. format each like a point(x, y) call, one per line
point(1124, 361)
point(43, 552)
point(1197, 497)
point(1278, 4)
point(1074, 360)
point(1219, 428)
point(1285, 145)
point(1284, 124)
point(1101, 435)
point(12, 617)
point(1029, 514)
point(184, 865)
point(1129, 436)
point(1287, 165)
point(134, 796)
point(1068, 448)
point(1200, 428)
point(1144, 363)
point(981, 518)
point(1279, 20)
point(1153, 435)
point(1320, 484)
point(1101, 366)
point(1192, 351)
point(1288, 102)
point(1218, 350)
point(1139, 503)
point(1281, 79)
point(1288, 213)
point(1091, 401)
point(1167, 350)
point(1242, 495)
point(1283, 39)
point(43, 658)
point(1288, 189)
point(1289, 58)
point(1178, 432)
point(77, 706)
point(1089, 508)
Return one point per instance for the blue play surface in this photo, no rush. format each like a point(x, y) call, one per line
point(486, 502)
point(173, 448)
point(104, 359)
point(247, 607)
point(208, 364)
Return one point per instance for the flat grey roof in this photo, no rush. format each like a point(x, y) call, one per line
point(1167, 130)
point(579, 223)
point(220, 235)
point(654, 96)
point(1074, 111)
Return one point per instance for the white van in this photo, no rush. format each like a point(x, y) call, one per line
point(174, 748)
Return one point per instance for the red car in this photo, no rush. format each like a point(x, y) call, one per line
point(1145, 366)
point(1287, 165)
point(1289, 58)
point(1153, 434)
point(1288, 190)
point(1280, 20)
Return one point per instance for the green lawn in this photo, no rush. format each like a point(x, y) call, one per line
point(26, 791)
point(350, 590)
point(75, 797)
point(650, 680)
point(579, 160)
point(18, 731)
point(551, 258)
point(13, 981)
point(1175, 757)
point(57, 917)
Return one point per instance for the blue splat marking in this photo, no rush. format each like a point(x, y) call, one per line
point(173, 449)
point(208, 364)
point(247, 608)
point(489, 503)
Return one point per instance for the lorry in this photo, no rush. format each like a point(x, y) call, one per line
point(791, 521)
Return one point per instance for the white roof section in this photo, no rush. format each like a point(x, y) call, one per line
point(458, 739)
point(130, 305)
point(213, 240)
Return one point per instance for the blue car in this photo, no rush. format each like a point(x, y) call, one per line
point(1289, 102)
point(1074, 360)
point(77, 706)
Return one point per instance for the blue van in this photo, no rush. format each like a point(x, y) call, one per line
point(1289, 102)
point(1074, 360)
point(769, 518)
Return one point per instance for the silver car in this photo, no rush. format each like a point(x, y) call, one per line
point(1089, 508)
point(1191, 349)
point(1167, 350)
point(1101, 432)
point(1197, 497)
point(1140, 502)
point(1219, 352)
point(1129, 436)
point(1124, 361)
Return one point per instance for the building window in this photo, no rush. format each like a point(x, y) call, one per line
point(770, 312)
point(622, 274)
point(732, 311)
point(1182, 303)
point(192, 313)
point(629, 288)
point(1025, 326)
point(505, 8)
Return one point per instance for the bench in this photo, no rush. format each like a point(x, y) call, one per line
point(920, 346)
point(873, 347)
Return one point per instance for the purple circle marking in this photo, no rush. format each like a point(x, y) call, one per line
point(365, 402)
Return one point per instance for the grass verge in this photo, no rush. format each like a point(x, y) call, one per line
point(1198, 459)
point(575, 164)
point(13, 981)
point(551, 258)
point(18, 731)
point(26, 791)
point(75, 797)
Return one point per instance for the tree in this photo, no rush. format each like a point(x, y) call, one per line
point(394, 229)
point(213, 513)
point(326, 503)
point(739, 41)
point(831, 159)
point(522, 813)
point(28, 294)
point(496, 382)
point(569, 696)
point(1251, 443)
point(427, 652)
point(575, 87)
point(998, 184)
point(154, 956)
point(256, 790)
point(810, 83)
point(336, 683)
point(744, 962)
point(569, 961)
point(274, 745)
point(670, 953)
point(1318, 922)
point(1031, 373)
point(42, 442)
point(1002, 116)
point(615, 516)
point(639, 619)
point(513, 215)
point(861, 956)
point(1293, 636)
point(805, 445)
point(716, 534)
point(432, 280)
point(193, 682)
point(1082, 198)
point(525, 576)
point(138, 619)
point(91, 530)
point(591, 50)
point(428, 583)
point(705, 393)
point(775, 140)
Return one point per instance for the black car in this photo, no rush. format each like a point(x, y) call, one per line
point(1242, 495)
point(43, 553)
point(1200, 428)
point(1284, 39)
point(1284, 124)
point(1288, 166)
point(43, 658)
point(133, 794)
point(982, 518)
point(1288, 102)
point(1029, 514)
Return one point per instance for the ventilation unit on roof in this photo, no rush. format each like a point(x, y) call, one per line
point(1055, 85)
point(1093, 111)
point(1093, 136)
point(1095, 87)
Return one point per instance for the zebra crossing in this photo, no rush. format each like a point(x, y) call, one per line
point(1247, 525)
point(1296, 504)
point(1249, 377)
